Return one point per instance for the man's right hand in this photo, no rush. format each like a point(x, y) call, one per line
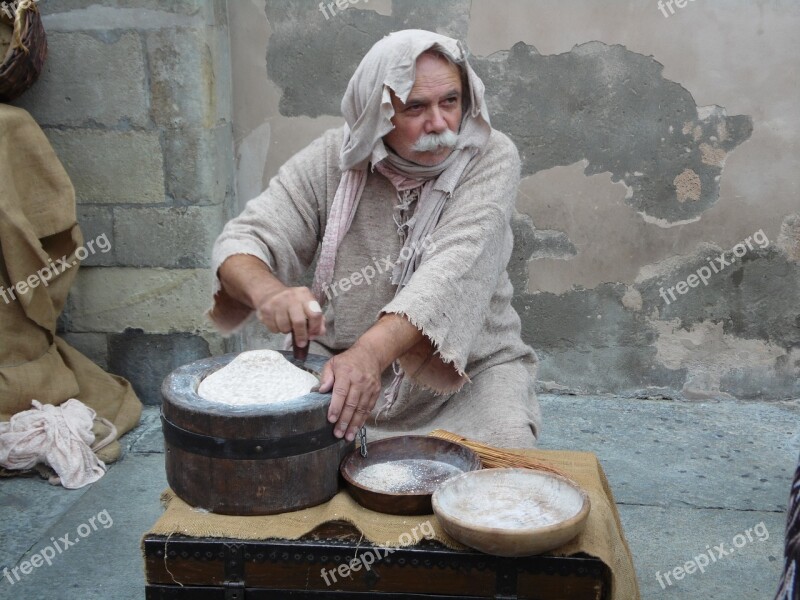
point(292, 310)
point(282, 309)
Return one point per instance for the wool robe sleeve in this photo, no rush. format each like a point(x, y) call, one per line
point(449, 296)
point(282, 227)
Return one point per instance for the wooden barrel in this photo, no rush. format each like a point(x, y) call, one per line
point(248, 460)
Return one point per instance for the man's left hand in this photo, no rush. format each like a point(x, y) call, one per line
point(355, 377)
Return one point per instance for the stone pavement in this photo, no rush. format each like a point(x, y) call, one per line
point(687, 477)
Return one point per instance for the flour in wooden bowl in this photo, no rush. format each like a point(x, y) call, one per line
point(511, 499)
point(257, 377)
point(406, 476)
point(511, 512)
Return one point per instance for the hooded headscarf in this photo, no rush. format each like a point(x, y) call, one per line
point(390, 65)
point(367, 108)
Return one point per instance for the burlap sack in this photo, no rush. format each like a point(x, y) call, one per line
point(38, 227)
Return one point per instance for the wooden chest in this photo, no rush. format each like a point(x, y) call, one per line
point(322, 565)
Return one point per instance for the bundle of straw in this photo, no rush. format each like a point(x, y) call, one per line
point(493, 458)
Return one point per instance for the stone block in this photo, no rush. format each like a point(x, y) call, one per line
point(29, 511)
point(87, 80)
point(156, 300)
point(126, 497)
point(184, 7)
point(147, 438)
point(93, 346)
point(689, 448)
point(199, 165)
point(179, 237)
point(218, 345)
point(189, 76)
point(552, 244)
point(146, 359)
point(97, 221)
point(112, 167)
point(662, 539)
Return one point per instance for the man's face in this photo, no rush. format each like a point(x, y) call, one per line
point(433, 107)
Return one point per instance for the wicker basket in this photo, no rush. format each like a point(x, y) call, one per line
point(25, 57)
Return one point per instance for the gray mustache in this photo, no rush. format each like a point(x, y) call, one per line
point(432, 141)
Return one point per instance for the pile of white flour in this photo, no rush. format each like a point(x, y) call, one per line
point(257, 377)
point(511, 499)
point(406, 476)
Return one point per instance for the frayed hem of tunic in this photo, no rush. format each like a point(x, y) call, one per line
point(424, 379)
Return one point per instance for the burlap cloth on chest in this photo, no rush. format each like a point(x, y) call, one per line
point(603, 537)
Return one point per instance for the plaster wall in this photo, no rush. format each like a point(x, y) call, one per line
point(651, 144)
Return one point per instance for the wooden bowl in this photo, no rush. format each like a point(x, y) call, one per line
point(405, 500)
point(511, 512)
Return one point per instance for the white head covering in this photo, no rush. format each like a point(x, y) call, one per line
point(390, 65)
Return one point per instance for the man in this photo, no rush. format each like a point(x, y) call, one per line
point(410, 205)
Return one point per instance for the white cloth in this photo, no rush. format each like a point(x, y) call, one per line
point(60, 436)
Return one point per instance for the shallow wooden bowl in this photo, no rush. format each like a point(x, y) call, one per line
point(511, 512)
point(401, 448)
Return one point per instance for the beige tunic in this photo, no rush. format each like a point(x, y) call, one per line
point(459, 297)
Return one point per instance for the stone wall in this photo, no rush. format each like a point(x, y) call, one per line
point(136, 100)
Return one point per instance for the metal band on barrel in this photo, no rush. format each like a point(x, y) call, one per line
point(247, 449)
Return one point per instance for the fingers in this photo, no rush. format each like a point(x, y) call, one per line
point(316, 322)
point(307, 320)
point(326, 381)
point(355, 404)
point(294, 310)
point(354, 414)
point(355, 383)
point(341, 388)
point(297, 319)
